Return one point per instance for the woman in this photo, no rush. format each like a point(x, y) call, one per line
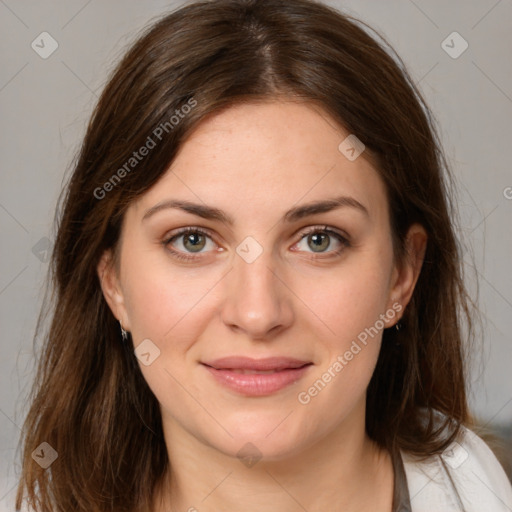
point(259, 299)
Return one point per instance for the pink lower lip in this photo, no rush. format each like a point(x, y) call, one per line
point(255, 384)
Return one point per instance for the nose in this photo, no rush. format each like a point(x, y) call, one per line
point(258, 302)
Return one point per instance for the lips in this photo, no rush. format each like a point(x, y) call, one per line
point(268, 364)
point(257, 377)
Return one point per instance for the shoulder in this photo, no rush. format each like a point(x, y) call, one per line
point(466, 477)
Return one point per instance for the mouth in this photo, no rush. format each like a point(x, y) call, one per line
point(257, 377)
point(254, 372)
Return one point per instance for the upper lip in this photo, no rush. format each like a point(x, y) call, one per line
point(247, 363)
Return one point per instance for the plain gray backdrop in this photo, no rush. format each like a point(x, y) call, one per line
point(45, 104)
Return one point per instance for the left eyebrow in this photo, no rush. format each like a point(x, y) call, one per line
point(292, 215)
point(315, 207)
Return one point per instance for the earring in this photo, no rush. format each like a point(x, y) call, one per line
point(124, 334)
point(398, 326)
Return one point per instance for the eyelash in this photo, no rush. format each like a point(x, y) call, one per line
point(314, 229)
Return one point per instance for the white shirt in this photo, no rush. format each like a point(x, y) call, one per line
point(479, 479)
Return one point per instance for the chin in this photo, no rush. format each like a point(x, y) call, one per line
point(269, 438)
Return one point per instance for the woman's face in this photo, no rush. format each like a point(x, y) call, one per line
point(291, 278)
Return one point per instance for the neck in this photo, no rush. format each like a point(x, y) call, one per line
point(344, 470)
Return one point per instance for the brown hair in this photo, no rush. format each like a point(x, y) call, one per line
point(90, 401)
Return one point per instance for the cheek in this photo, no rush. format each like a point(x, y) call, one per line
point(163, 302)
point(348, 304)
point(350, 341)
point(345, 301)
point(171, 310)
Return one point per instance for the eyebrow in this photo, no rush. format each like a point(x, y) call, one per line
point(292, 215)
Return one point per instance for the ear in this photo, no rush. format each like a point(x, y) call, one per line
point(404, 278)
point(110, 285)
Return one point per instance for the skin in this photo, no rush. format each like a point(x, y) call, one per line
point(255, 162)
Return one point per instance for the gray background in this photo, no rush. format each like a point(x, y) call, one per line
point(45, 104)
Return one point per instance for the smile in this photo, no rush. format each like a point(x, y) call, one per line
point(256, 377)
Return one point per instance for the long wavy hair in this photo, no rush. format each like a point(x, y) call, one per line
point(89, 400)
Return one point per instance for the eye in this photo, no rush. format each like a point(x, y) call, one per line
point(320, 239)
point(193, 240)
point(188, 242)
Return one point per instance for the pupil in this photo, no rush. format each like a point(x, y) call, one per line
point(193, 238)
point(318, 239)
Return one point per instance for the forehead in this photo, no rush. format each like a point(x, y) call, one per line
point(261, 158)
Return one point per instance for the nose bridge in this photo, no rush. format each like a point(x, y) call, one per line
point(256, 300)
